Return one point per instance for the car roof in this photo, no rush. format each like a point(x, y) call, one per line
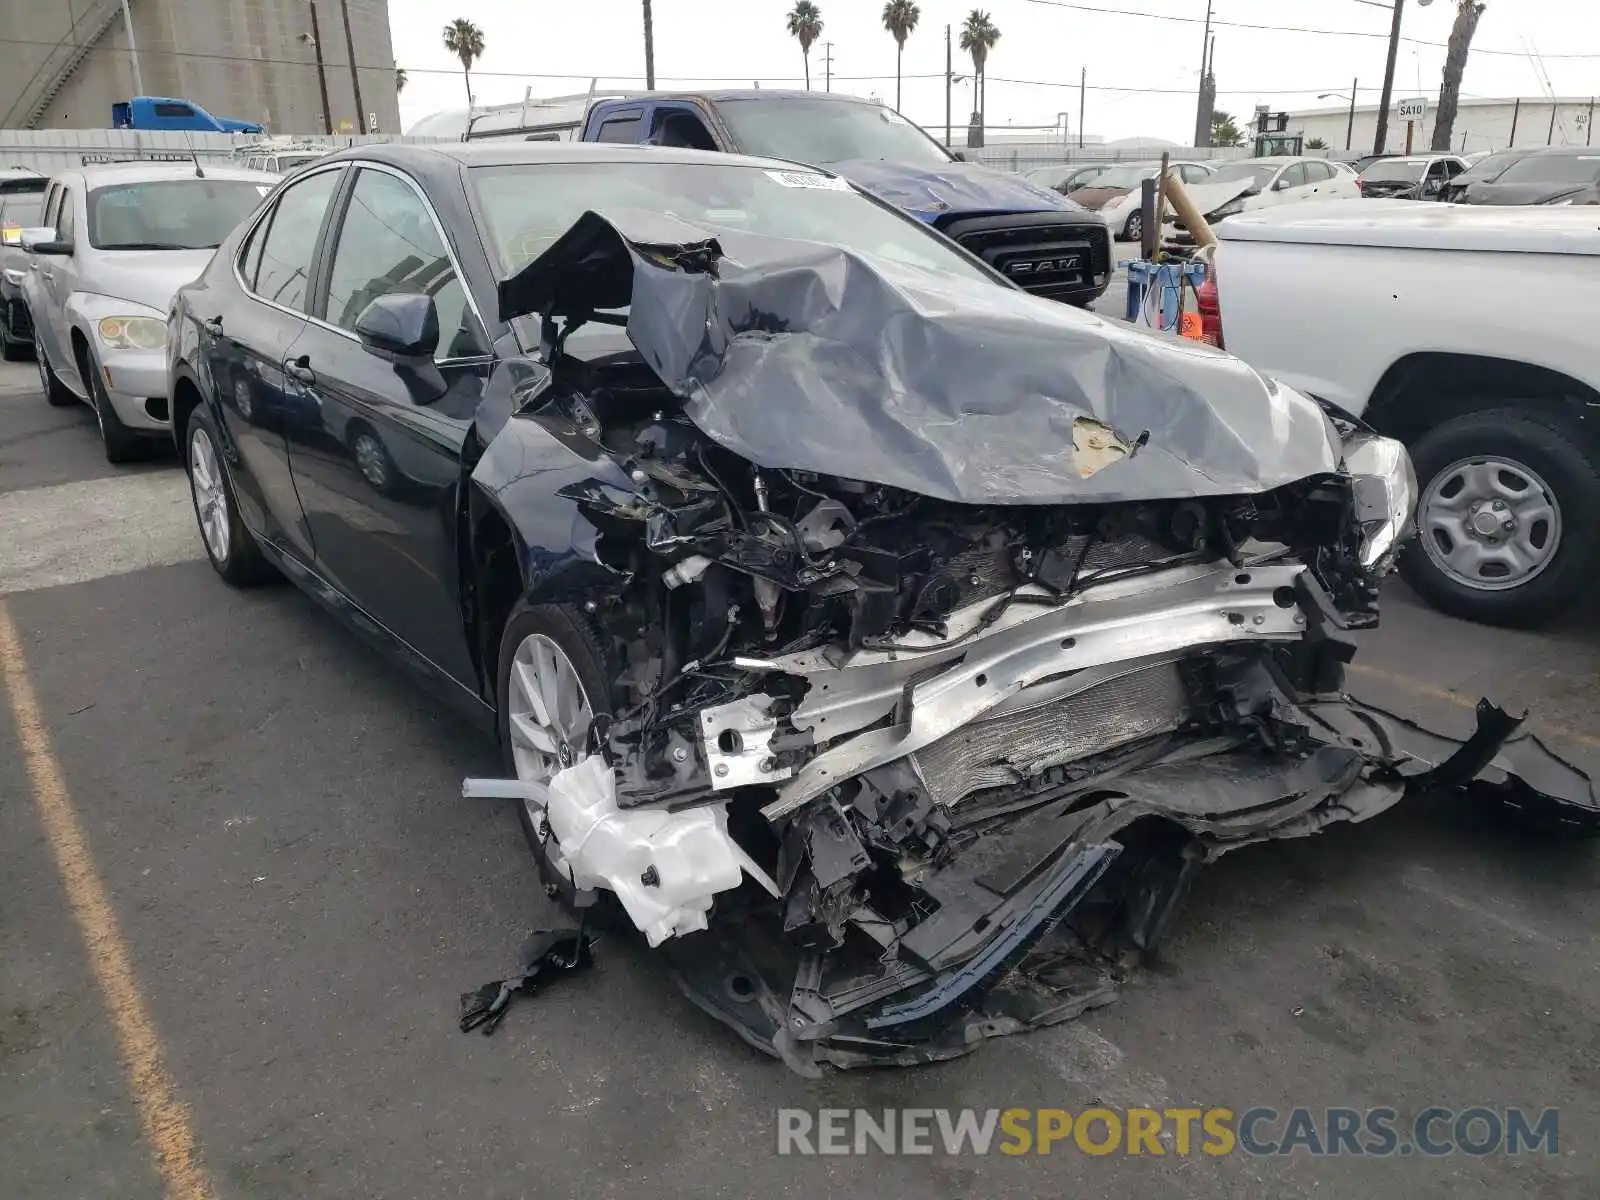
point(718, 94)
point(143, 172)
point(426, 158)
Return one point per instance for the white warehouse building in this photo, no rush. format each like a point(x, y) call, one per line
point(1481, 124)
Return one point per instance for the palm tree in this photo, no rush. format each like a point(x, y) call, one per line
point(805, 24)
point(399, 80)
point(978, 36)
point(1455, 65)
point(1225, 130)
point(900, 17)
point(649, 48)
point(465, 40)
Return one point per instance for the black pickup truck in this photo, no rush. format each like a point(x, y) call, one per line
point(1044, 242)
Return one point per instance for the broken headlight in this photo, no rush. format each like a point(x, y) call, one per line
point(1385, 490)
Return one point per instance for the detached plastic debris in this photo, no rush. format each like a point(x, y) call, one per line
point(665, 867)
point(547, 954)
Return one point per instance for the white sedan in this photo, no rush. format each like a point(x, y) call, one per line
point(1252, 183)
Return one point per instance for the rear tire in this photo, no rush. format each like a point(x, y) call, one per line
point(1539, 449)
point(1134, 229)
point(229, 545)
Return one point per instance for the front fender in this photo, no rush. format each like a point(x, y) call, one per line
point(531, 475)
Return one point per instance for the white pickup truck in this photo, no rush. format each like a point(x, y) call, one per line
point(1472, 334)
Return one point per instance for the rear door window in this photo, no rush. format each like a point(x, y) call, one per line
point(291, 240)
point(624, 127)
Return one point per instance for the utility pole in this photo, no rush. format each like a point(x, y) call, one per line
point(827, 65)
point(355, 78)
point(1549, 138)
point(133, 49)
point(1589, 125)
point(1350, 126)
point(1516, 111)
point(948, 64)
point(1083, 86)
point(1201, 120)
point(1388, 80)
point(322, 70)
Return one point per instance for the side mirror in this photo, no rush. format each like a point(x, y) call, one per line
point(43, 241)
point(958, 155)
point(1279, 184)
point(400, 326)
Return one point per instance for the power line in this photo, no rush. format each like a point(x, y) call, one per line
point(455, 72)
point(1357, 33)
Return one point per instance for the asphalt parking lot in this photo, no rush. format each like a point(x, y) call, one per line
point(239, 896)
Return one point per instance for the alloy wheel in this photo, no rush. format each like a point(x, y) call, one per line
point(372, 460)
point(548, 711)
point(210, 498)
point(1490, 524)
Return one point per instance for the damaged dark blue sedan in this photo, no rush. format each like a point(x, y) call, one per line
point(888, 644)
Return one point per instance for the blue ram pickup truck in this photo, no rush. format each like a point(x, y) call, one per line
point(164, 112)
point(1037, 238)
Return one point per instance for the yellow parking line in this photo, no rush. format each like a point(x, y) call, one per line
point(165, 1117)
point(1433, 692)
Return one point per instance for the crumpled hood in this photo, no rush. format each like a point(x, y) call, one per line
point(1208, 197)
point(930, 192)
point(802, 356)
point(148, 277)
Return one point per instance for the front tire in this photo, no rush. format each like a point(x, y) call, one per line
point(11, 350)
point(121, 444)
point(230, 546)
point(56, 394)
point(1134, 229)
point(554, 679)
point(1506, 524)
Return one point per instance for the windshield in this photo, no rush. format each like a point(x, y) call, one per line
point(1393, 170)
point(1554, 168)
point(21, 208)
point(1259, 176)
point(171, 214)
point(1128, 177)
point(526, 207)
point(828, 131)
point(1487, 168)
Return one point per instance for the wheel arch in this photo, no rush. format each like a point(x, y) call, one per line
point(1425, 389)
point(186, 397)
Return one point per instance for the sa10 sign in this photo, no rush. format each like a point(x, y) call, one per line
point(1411, 110)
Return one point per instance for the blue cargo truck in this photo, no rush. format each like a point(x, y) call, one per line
point(1040, 240)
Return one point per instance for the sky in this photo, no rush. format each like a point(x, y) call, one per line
point(1141, 70)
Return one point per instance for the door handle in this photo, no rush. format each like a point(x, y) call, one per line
point(47, 274)
point(300, 370)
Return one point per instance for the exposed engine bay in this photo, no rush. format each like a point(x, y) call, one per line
point(885, 772)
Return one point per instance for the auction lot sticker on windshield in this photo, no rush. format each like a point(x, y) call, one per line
point(809, 179)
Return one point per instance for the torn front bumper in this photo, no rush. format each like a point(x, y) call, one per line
point(1042, 924)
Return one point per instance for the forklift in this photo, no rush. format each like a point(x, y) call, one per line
point(1271, 138)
